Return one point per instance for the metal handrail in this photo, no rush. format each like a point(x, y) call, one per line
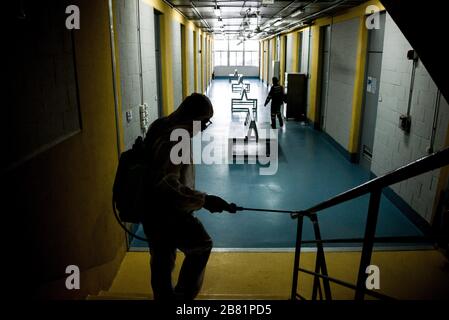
point(374, 187)
point(420, 166)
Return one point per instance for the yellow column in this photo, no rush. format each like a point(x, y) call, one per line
point(359, 85)
point(282, 60)
point(195, 61)
point(264, 68)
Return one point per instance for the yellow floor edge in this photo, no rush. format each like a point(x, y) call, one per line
point(254, 275)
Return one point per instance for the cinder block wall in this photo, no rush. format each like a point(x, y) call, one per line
point(148, 59)
point(304, 59)
point(129, 50)
point(290, 52)
point(304, 64)
point(128, 60)
point(392, 147)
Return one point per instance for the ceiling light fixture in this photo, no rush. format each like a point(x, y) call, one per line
point(217, 11)
point(278, 23)
point(297, 13)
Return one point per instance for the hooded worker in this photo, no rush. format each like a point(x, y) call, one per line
point(170, 224)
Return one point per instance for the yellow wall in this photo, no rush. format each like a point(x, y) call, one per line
point(263, 58)
point(65, 193)
point(359, 81)
point(195, 60)
point(282, 60)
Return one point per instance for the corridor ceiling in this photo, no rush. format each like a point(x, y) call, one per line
point(256, 19)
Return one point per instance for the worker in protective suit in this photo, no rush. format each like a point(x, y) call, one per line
point(170, 224)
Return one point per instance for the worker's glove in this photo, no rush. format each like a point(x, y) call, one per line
point(217, 204)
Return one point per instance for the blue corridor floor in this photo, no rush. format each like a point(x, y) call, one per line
point(310, 170)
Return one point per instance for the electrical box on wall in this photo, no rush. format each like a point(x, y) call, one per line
point(412, 55)
point(405, 123)
point(129, 116)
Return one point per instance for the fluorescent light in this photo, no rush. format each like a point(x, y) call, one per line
point(297, 13)
point(278, 23)
point(217, 11)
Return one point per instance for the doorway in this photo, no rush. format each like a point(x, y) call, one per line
point(158, 54)
point(183, 61)
point(326, 34)
point(371, 96)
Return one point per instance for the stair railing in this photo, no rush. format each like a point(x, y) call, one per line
point(374, 188)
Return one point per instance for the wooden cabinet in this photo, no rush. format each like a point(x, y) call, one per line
point(296, 90)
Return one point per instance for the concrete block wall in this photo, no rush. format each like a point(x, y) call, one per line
point(304, 59)
point(343, 56)
point(289, 53)
point(130, 47)
point(128, 44)
point(392, 147)
point(149, 72)
point(176, 64)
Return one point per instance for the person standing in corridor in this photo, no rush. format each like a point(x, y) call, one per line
point(277, 97)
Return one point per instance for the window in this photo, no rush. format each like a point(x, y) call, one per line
point(236, 58)
point(252, 53)
point(252, 58)
point(252, 45)
point(236, 53)
point(221, 58)
point(221, 45)
point(220, 52)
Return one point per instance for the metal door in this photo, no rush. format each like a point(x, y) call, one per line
point(371, 99)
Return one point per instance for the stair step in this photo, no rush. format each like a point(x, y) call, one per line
point(105, 295)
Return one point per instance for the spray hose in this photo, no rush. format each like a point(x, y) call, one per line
point(293, 214)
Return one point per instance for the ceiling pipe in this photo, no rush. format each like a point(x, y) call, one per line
point(296, 24)
point(277, 13)
point(201, 17)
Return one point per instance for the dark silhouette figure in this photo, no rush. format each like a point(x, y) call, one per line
point(170, 224)
point(277, 97)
